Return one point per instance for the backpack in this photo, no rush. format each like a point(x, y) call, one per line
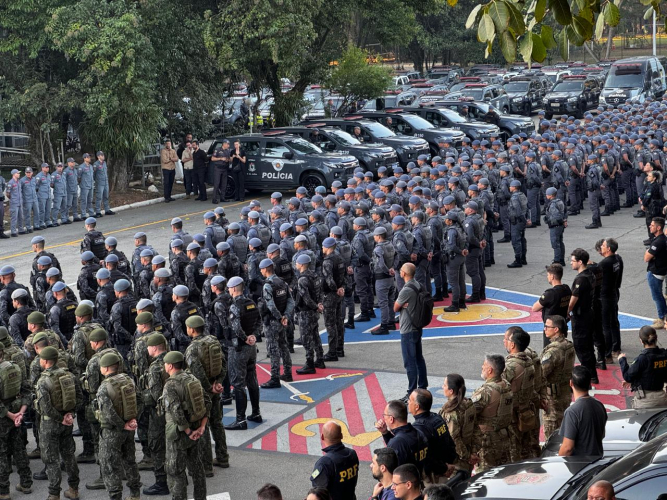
point(212, 358)
point(424, 307)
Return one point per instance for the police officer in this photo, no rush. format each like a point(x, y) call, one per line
point(59, 185)
point(403, 241)
point(162, 298)
point(517, 211)
point(3, 186)
point(140, 244)
point(456, 248)
point(362, 254)
point(43, 186)
point(14, 193)
point(111, 244)
point(410, 445)
point(473, 225)
point(276, 309)
point(122, 320)
point(40, 284)
point(86, 283)
point(237, 241)
point(533, 184)
point(18, 327)
point(383, 265)
point(255, 256)
point(493, 403)
point(213, 232)
point(581, 312)
point(105, 298)
point(338, 470)
point(556, 219)
point(178, 261)
point(72, 182)
point(647, 374)
point(85, 173)
point(142, 285)
point(7, 275)
point(309, 304)
point(258, 229)
point(61, 316)
point(182, 311)
point(101, 178)
point(593, 186)
point(93, 240)
point(222, 160)
point(194, 273)
point(503, 196)
point(30, 202)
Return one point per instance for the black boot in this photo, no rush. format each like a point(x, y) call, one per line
point(307, 369)
point(592, 225)
point(273, 383)
point(320, 364)
point(452, 308)
point(438, 295)
point(350, 321)
point(331, 356)
point(473, 299)
point(159, 488)
point(240, 423)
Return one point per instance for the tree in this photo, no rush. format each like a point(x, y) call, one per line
point(355, 80)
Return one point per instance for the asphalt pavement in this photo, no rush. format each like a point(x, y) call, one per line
point(372, 371)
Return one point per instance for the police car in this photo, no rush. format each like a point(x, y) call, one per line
point(416, 126)
point(494, 94)
point(573, 95)
point(281, 162)
point(391, 99)
point(639, 475)
point(445, 117)
point(407, 148)
point(525, 94)
point(370, 156)
point(625, 431)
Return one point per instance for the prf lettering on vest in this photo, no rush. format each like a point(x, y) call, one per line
point(660, 364)
point(348, 473)
point(420, 456)
point(442, 430)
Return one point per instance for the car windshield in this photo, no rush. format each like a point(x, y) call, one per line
point(343, 137)
point(625, 76)
point(418, 122)
point(378, 130)
point(475, 94)
point(656, 426)
point(516, 87)
point(303, 146)
point(552, 77)
point(568, 86)
point(453, 116)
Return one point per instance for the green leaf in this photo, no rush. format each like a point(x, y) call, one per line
point(547, 35)
point(473, 16)
point(587, 14)
point(500, 14)
point(563, 46)
point(612, 15)
point(583, 27)
point(526, 47)
point(581, 4)
point(646, 2)
point(539, 53)
point(649, 13)
point(574, 37)
point(540, 9)
point(508, 46)
point(599, 27)
point(517, 24)
point(561, 11)
point(485, 30)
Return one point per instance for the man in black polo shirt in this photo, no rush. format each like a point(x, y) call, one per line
point(581, 312)
point(612, 274)
point(555, 300)
point(409, 444)
point(199, 169)
point(338, 469)
point(656, 256)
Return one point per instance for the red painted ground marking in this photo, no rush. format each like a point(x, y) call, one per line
point(270, 441)
point(355, 422)
point(297, 444)
point(377, 396)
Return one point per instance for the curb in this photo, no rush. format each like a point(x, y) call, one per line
point(148, 203)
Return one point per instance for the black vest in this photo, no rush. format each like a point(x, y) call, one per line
point(67, 317)
point(339, 271)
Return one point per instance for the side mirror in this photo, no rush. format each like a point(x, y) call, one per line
point(287, 155)
point(487, 99)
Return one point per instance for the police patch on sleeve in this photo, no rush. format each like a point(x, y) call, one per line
point(315, 473)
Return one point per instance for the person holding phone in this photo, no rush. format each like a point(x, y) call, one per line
point(238, 158)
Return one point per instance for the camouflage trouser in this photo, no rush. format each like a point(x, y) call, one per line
point(117, 454)
point(182, 453)
point(276, 345)
point(215, 428)
point(156, 443)
point(84, 427)
point(310, 336)
point(493, 449)
point(94, 431)
point(333, 321)
point(12, 444)
point(553, 417)
point(56, 442)
point(142, 432)
point(534, 448)
point(519, 443)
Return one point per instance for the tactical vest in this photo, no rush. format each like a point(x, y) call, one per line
point(211, 356)
point(366, 242)
point(62, 388)
point(184, 311)
point(322, 232)
point(264, 234)
point(110, 295)
point(655, 377)
point(123, 395)
point(23, 313)
point(166, 300)
point(199, 275)
point(239, 245)
point(10, 381)
point(524, 381)
point(280, 294)
point(16, 355)
point(67, 317)
point(218, 234)
point(283, 269)
point(8, 290)
point(562, 372)
point(464, 427)
point(339, 271)
point(498, 413)
point(249, 315)
point(85, 331)
point(427, 237)
point(128, 313)
point(96, 239)
point(191, 395)
point(345, 251)
point(388, 254)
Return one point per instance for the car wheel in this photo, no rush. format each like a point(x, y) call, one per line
point(310, 181)
point(231, 187)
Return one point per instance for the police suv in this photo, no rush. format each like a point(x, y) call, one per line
point(573, 96)
point(410, 124)
point(407, 148)
point(525, 94)
point(280, 162)
point(446, 117)
point(494, 94)
point(370, 156)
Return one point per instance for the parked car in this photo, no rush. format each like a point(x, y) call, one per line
point(525, 94)
point(494, 94)
point(574, 95)
point(633, 80)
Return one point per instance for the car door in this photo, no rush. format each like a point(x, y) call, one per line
point(436, 119)
point(253, 149)
point(277, 170)
point(402, 127)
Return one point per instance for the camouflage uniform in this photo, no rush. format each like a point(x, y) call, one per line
point(56, 439)
point(140, 362)
point(276, 340)
point(520, 375)
point(117, 452)
point(13, 396)
point(557, 362)
point(539, 393)
point(181, 451)
point(334, 275)
point(461, 425)
point(194, 355)
point(493, 404)
point(309, 295)
point(152, 385)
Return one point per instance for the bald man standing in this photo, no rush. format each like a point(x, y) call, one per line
point(338, 469)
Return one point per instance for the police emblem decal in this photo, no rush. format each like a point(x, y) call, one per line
point(277, 165)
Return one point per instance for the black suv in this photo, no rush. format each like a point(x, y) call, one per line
point(525, 94)
point(446, 117)
point(407, 148)
point(370, 156)
point(485, 112)
point(573, 95)
point(410, 124)
point(280, 162)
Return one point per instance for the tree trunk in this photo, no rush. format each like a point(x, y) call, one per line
point(592, 54)
point(119, 172)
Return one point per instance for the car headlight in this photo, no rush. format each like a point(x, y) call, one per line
point(332, 165)
point(545, 101)
point(517, 99)
point(603, 100)
point(573, 99)
point(374, 155)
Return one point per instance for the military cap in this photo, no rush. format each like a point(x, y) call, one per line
point(193, 246)
point(91, 221)
point(143, 318)
point(44, 260)
point(360, 221)
point(156, 339)
point(112, 257)
point(295, 201)
point(176, 220)
point(86, 256)
point(36, 318)
point(146, 252)
point(98, 335)
point(210, 262)
point(449, 200)
point(59, 286)
point(484, 181)
point(209, 215)
point(111, 241)
point(49, 353)
point(255, 242)
point(300, 239)
point(301, 190)
point(139, 235)
point(254, 203)
point(380, 231)
point(285, 226)
point(39, 337)
point(515, 183)
point(473, 187)
point(234, 226)
point(121, 285)
point(276, 210)
point(452, 216)
point(315, 213)
point(173, 357)
point(199, 238)
point(349, 190)
point(195, 322)
point(7, 270)
point(218, 280)
point(315, 199)
point(37, 239)
point(28, 170)
point(177, 243)
point(234, 281)
point(336, 184)
point(558, 152)
point(337, 230)
point(109, 359)
point(181, 291)
point(472, 205)
point(440, 182)
point(223, 246)
point(593, 156)
point(552, 191)
point(253, 214)
point(83, 310)
point(329, 242)
point(414, 200)
point(418, 214)
point(301, 222)
point(102, 274)
point(3, 334)
point(272, 248)
point(453, 180)
point(504, 167)
point(144, 303)
point(157, 260)
point(477, 173)
point(276, 195)
point(44, 165)
point(303, 259)
point(265, 263)
point(399, 220)
point(219, 211)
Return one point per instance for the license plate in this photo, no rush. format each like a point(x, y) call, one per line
point(555, 105)
point(393, 165)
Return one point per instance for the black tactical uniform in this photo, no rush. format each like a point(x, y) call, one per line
point(62, 319)
point(94, 241)
point(337, 472)
point(87, 283)
point(179, 314)
point(104, 301)
point(122, 325)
